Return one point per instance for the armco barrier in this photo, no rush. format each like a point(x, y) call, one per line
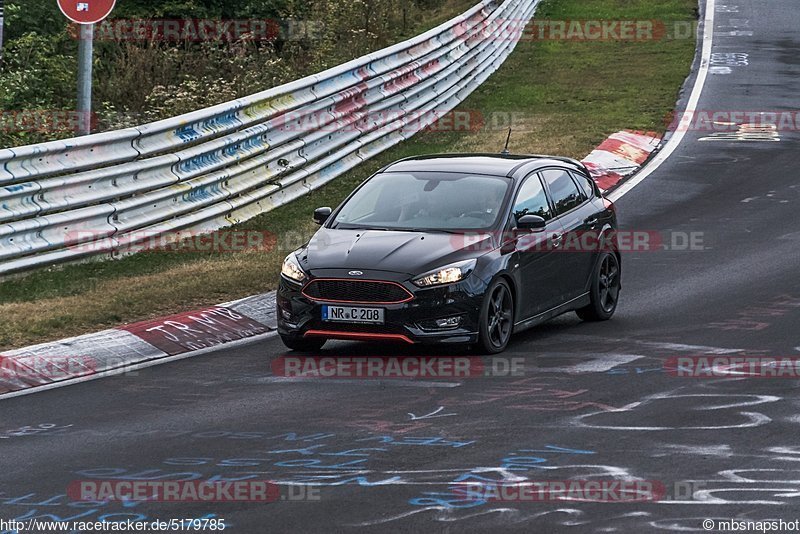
point(218, 166)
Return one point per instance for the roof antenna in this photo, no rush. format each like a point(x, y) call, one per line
point(505, 151)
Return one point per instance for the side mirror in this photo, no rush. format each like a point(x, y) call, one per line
point(533, 223)
point(321, 215)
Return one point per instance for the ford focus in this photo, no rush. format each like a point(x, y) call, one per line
point(449, 249)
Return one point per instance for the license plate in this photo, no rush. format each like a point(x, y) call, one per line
point(348, 314)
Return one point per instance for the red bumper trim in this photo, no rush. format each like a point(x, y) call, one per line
point(359, 336)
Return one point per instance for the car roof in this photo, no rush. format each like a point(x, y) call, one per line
point(511, 165)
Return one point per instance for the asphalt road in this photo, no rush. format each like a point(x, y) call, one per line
point(594, 400)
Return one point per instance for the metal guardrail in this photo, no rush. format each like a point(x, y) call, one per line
point(98, 195)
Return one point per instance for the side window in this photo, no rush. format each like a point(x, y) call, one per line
point(532, 199)
point(563, 190)
point(586, 184)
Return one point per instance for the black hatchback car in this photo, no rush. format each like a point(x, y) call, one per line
point(454, 249)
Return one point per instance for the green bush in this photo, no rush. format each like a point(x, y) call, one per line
point(137, 82)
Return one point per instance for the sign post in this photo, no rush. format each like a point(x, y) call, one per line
point(86, 13)
point(1, 32)
point(85, 56)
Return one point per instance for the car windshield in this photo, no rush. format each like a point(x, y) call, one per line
point(425, 201)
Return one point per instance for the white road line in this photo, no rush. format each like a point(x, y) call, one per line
point(676, 347)
point(688, 115)
point(683, 347)
point(603, 363)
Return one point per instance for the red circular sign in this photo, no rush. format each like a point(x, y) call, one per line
point(86, 11)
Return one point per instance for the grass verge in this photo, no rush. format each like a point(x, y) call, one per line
point(563, 97)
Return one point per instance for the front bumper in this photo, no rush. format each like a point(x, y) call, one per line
point(412, 321)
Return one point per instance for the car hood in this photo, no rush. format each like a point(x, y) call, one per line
point(412, 253)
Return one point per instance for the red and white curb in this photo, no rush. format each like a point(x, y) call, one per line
point(134, 346)
point(619, 156)
point(130, 347)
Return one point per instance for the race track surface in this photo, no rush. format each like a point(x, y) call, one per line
point(595, 401)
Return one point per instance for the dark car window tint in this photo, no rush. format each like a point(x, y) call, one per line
point(425, 201)
point(586, 184)
point(532, 200)
point(563, 190)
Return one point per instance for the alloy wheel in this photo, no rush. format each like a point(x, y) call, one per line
point(500, 316)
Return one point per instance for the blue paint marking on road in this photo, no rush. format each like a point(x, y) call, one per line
point(426, 441)
point(457, 496)
point(317, 464)
point(345, 464)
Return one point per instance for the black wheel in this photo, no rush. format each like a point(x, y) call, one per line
point(604, 290)
point(304, 344)
point(497, 318)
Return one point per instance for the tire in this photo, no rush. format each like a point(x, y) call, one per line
point(496, 318)
point(605, 289)
point(302, 344)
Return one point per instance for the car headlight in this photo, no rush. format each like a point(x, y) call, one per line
point(446, 275)
point(291, 269)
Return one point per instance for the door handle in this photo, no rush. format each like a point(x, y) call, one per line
point(556, 238)
point(591, 220)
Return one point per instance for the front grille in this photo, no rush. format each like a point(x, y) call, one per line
point(356, 291)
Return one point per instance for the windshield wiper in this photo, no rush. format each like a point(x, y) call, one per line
point(432, 230)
